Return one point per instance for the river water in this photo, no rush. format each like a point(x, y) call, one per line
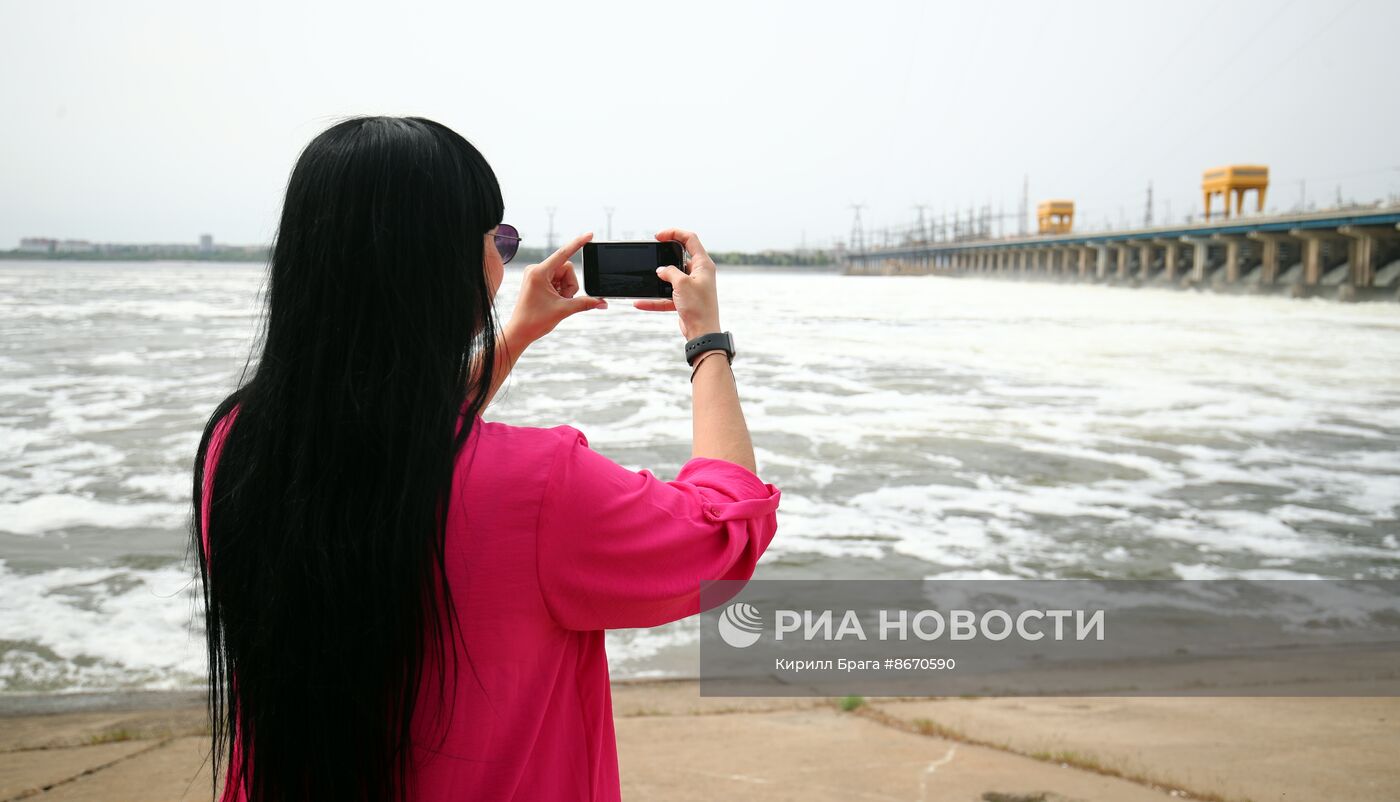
point(917, 426)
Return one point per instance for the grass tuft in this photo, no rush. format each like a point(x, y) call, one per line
point(111, 737)
point(850, 703)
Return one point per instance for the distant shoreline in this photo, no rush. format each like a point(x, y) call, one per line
point(728, 260)
point(193, 256)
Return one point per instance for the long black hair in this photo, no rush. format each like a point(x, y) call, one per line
point(325, 594)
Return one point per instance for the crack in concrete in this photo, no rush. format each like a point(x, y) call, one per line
point(933, 767)
point(32, 792)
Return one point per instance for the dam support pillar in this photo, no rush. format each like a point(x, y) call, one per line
point(1232, 256)
point(1200, 258)
point(1100, 262)
point(1085, 257)
point(1171, 257)
point(1145, 260)
point(1364, 248)
point(1312, 255)
point(1270, 248)
point(1122, 261)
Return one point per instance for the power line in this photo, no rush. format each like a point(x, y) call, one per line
point(857, 229)
point(1025, 204)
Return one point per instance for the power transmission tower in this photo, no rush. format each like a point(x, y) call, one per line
point(609, 211)
point(857, 229)
point(1147, 216)
point(1025, 203)
point(923, 231)
point(549, 237)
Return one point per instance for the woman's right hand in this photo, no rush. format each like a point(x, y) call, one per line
point(693, 296)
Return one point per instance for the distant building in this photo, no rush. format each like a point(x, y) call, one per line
point(1055, 216)
point(206, 243)
point(37, 244)
point(75, 246)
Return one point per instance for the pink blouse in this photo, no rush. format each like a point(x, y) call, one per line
point(548, 544)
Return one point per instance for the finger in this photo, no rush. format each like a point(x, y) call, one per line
point(686, 238)
point(561, 256)
point(567, 284)
point(670, 274)
point(699, 264)
point(656, 305)
point(584, 302)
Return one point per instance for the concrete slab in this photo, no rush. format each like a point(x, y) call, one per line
point(29, 771)
point(819, 755)
point(174, 770)
point(1336, 749)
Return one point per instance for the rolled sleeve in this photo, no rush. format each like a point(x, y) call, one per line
point(617, 548)
point(731, 490)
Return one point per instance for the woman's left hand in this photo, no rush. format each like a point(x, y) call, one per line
point(548, 294)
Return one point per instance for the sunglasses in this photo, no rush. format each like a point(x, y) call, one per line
point(507, 242)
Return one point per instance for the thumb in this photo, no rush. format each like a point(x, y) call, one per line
point(670, 274)
point(585, 302)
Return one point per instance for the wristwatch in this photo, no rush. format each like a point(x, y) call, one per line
point(717, 341)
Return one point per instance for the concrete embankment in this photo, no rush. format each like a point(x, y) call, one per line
point(676, 745)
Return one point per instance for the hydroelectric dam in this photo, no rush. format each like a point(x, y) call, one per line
point(1351, 254)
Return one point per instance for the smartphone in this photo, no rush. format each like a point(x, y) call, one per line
point(628, 269)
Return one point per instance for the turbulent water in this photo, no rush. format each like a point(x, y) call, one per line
point(917, 427)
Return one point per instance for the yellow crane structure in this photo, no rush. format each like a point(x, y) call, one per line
point(1055, 216)
point(1231, 182)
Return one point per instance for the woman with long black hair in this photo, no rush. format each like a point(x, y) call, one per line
point(401, 600)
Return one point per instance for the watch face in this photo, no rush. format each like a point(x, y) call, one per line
point(733, 349)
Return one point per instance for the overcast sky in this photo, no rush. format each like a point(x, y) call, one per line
point(756, 124)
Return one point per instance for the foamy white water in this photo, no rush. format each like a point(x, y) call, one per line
point(917, 426)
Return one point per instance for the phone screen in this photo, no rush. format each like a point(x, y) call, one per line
point(628, 269)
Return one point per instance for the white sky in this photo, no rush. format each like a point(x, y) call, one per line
point(753, 123)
